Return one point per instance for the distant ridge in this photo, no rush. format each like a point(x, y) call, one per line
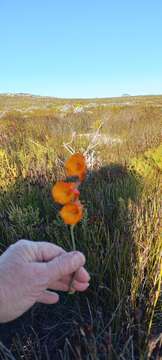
point(26, 95)
point(108, 98)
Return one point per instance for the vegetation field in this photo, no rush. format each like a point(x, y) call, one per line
point(119, 316)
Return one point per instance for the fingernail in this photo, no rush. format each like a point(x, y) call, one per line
point(78, 258)
point(75, 252)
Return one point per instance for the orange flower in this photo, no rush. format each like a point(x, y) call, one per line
point(76, 166)
point(64, 193)
point(72, 213)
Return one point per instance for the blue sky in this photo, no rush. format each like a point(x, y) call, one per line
point(81, 48)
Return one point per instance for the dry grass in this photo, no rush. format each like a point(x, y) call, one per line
point(120, 233)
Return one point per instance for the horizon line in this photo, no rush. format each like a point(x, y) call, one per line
point(75, 98)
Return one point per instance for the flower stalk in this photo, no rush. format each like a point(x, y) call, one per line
point(72, 237)
point(67, 195)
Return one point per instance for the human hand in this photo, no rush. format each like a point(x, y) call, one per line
point(29, 268)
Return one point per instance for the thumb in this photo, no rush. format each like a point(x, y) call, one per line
point(65, 264)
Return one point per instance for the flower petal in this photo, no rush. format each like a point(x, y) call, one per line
point(76, 166)
point(64, 193)
point(72, 213)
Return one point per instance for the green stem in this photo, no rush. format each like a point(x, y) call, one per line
point(72, 237)
point(74, 248)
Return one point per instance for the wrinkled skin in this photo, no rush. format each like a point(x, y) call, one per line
point(29, 270)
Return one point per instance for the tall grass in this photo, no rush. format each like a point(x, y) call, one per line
point(120, 232)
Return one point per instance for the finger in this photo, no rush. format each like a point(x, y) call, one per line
point(45, 251)
point(65, 264)
point(59, 285)
point(79, 286)
point(48, 297)
point(82, 275)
